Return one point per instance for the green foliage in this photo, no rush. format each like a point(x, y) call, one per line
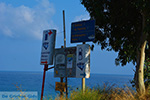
point(119, 25)
point(88, 95)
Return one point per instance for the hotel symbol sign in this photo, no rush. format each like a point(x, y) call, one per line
point(48, 46)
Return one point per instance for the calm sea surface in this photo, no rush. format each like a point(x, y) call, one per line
point(32, 81)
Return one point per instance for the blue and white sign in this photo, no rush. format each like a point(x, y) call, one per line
point(48, 46)
point(83, 31)
point(83, 61)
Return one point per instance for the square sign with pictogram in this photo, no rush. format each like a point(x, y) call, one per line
point(83, 61)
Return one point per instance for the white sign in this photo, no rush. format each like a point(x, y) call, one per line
point(48, 46)
point(65, 61)
point(73, 60)
point(83, 61)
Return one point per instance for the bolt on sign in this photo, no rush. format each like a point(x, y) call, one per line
point(48, 47)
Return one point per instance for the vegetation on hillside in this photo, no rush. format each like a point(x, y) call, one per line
point(106, 93)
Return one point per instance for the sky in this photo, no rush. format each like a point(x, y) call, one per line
point(21, 27)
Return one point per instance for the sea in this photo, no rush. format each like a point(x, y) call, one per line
point(32, 81)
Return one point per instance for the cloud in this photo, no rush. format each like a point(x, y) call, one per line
point(23, 21)
point(82, 17)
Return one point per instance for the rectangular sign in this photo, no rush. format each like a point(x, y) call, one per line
point(60, 86)
point(48, 47)
point(83, 61)
point(83, 31)
point(65, 62)
point(60, 63)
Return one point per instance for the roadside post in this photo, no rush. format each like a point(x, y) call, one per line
point(83, 81)
point(45, 68)
point(83, 85)
point(66, 80)
point(47, 52)
point(62, 59)
point(73, 62)
point(61, 80)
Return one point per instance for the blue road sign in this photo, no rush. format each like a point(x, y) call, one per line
point(83, 31)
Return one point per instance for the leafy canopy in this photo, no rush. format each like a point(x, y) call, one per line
point(119, 25)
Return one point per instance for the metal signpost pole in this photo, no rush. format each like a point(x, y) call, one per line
point(45, 68)
point(64, 29)
point(83, 85)
point(83, 81)
point(61, 80)
point(65, 47)
point(48, 45)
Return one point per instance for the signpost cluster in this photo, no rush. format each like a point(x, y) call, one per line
point(73, 62)
point(76, 60)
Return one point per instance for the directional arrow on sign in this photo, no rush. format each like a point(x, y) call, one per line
point(50, 32)
point(84, 74)
point(45, 62)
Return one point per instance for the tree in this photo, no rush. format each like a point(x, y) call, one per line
point(123, 26)
point(146, 69)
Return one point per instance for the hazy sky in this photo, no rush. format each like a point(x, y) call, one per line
point(21, 27)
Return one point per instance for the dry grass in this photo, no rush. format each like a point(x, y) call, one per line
point(106, 93)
